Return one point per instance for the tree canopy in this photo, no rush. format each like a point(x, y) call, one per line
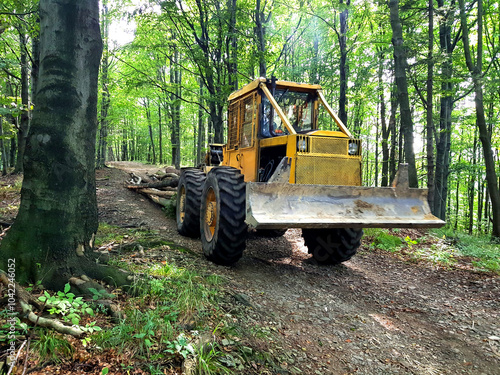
point(162, 96)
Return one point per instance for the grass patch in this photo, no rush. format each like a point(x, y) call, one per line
point(383, 240)
point(173, 316)
point(440, 246)
point(52, 347)
point(484, 253)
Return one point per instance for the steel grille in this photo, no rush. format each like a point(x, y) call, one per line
point(334, 146)
point(321, 170)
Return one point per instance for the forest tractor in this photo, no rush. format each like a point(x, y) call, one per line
point(279, 171)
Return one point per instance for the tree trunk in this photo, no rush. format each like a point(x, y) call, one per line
point(443, 136)
point(400, 66)
point(314, 77)
point(430, 122)
point(152, 150)
point(24, 124)
point(201, 128)
point(260, 32)
point(3, 154)
point(232, 46)
point(472, 186)
point(385, 129)
point(52, 236)
point(394, 136)
point(160, 135)
point(484, 135)
point(105, 97)
point(344, 67)
point(175, 79)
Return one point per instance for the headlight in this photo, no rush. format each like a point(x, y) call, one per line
point(353, 148)
point(302, 145)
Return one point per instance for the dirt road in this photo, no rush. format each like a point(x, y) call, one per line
point(372, 315)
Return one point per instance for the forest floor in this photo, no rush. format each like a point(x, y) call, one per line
point(379, 313)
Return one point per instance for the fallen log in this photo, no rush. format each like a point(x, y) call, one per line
point(170, 182)
point(159, 193)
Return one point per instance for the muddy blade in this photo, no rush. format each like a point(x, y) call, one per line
point(283, 205)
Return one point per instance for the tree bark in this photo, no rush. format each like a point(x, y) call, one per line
point(260, 32)
point(175, 109)
point(3, 154)
point(400, 66)
point(52, 236)
point(430, 122)
point(344, 67)
point(232, 45)
point(105, 97)
point(484, 135)
point(24, 123)
point(443, 136)
point(201, 128)
point(385, 128)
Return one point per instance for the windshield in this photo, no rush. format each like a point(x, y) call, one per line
point(297, 107)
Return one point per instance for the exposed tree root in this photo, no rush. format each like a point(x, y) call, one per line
point(24, 299)
point(80, 285)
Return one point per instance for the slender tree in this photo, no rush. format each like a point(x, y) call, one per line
point(400, 66)
point(476, 71)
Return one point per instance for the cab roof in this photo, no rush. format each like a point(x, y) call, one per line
point(279, 84)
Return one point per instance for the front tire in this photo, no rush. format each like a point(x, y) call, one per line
point(222, 217)
point(189, 201)
point(332, 246)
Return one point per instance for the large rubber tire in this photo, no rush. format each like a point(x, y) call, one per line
point(189, 201)
point(332, 246)
point(222, 218)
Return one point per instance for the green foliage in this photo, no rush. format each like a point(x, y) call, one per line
point(180, 346)
point(385, 241)
point(208, 360)
point(6, 316)
point(485, 252)
point(67, 305)
point(52, 347)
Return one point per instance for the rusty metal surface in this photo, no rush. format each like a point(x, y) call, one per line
point(282, 205)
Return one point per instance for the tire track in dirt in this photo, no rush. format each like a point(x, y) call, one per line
point(372, 315)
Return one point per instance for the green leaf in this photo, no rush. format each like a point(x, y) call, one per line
point(67, 288)
point(104, 371)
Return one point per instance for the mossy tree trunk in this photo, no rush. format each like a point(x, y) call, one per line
point(52, 237)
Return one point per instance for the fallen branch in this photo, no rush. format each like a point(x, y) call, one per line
point(24, 299)
point(48, 323)
point(170, 182)
point(159, 193)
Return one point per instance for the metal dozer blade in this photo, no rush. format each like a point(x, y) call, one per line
point(280, 205)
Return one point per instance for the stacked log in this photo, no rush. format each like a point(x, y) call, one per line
point(160, 187)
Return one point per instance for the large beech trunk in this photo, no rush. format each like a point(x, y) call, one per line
point(52, 237)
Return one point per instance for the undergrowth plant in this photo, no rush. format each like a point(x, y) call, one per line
point(485, 252)
point(67, 305)
point(385, 241)
point(52, 347)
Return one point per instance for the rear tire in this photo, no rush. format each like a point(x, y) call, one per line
point(222, 217)
point(189, 201)
point(332, 246)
